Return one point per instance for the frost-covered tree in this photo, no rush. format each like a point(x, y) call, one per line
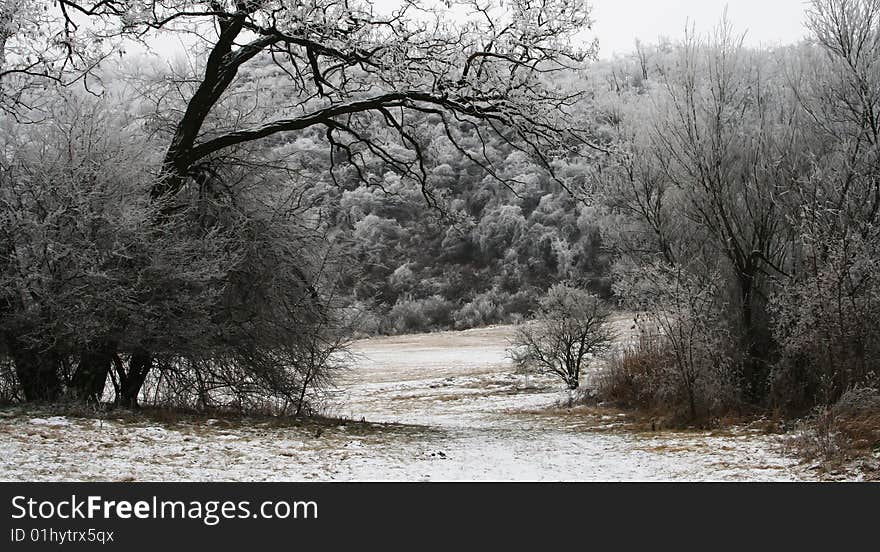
point(570, 328)
point(44, 46)
point(706, 157)
point(826, 316)
point(100, 288)
point(362, 76)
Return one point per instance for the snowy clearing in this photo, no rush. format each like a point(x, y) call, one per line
point(436, 407)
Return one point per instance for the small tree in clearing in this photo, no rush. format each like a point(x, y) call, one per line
point(570, 325)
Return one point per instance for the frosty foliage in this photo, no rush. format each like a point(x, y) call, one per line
point(681, 360)
point(743, 208)
point(99, 286)
point(570, 329)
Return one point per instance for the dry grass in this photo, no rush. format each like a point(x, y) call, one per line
point(594, 418)
point(209, 421)
point(844, 436)
point(637, 378)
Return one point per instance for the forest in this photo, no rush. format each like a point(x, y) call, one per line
point(211, 229)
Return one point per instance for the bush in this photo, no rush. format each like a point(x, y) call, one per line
point(635, 374)
point(686, 363)
point(482, 311)
point(361, 319)
point(223, 292)
point(519, 305)
point(419, 315)
point(570, 329)
point(496, 307)
point(652, 376)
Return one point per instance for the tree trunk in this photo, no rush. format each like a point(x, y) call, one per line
point(754, 345)
point(131, 382)
point(91, 374)
point(302, 394)
point(692, 400)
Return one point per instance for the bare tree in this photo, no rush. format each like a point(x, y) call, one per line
point(570, 328)
point(705, 179)
point(827, 314)
point(351, 71)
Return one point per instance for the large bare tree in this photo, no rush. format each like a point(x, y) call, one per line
point(364, 76)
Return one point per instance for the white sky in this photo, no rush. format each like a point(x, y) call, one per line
point(766, 22)
point(618, 23)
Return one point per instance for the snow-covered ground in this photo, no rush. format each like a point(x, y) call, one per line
point(435, 407)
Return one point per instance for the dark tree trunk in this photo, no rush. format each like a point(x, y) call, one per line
point(37, 372)
point(131, 382)
point(91, 374)
point(755, 343)
point(692, 401)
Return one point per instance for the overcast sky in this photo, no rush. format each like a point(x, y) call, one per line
point(618, 23)
point(766, 22)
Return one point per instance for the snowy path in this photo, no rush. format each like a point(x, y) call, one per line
point(467, 418)
point(490, 426)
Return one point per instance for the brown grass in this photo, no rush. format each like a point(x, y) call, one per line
point(198, 421)
point(845, 435)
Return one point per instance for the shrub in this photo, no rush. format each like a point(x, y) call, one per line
point(419, 315)
point(685, 363)
point(482, 311)
point(635, 374)
point(571, 327)
point(361, 319)
point(518, 305)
